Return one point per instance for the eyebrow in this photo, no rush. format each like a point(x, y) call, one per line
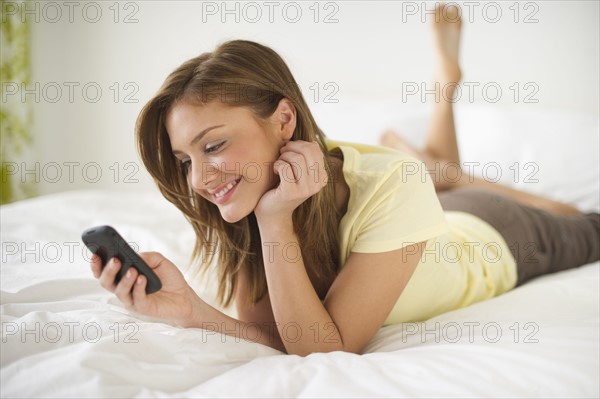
point(198, 137)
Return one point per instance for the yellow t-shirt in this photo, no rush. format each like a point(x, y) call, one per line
point(393, 204)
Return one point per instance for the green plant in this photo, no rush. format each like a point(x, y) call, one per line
point(15, 115)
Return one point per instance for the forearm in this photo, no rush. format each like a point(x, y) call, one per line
point(209, 318)
point(304, 324)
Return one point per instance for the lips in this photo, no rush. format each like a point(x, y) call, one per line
point(221, 192)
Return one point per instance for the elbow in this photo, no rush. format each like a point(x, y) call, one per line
point(322, 347)
point(301, 351)
point(333, 342)
point(306, 352)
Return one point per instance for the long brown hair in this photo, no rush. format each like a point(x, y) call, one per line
point(248, 74)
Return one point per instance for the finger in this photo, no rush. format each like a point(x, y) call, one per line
point(301, 146)
point(295, 144)
point(153, 259)
point(308, 167)
point(107, 277)
point(296, 168)
point(313, 157)
point(139, 291)
point(96, 265)
point(315, 161)
point(282, 169)
point(123, 290)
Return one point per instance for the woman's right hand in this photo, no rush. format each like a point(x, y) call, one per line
point(175, 301)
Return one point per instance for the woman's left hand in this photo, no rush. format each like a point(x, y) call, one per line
point(302, 174)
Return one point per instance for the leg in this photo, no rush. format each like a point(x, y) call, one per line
point(441, 135)
point(441, 145)
point(524, 198)
point(541, 242)
point(442, 181)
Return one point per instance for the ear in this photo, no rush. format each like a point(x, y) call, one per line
point(284, 118)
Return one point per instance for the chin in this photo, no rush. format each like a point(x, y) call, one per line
point(239, 207)
point(234, 216)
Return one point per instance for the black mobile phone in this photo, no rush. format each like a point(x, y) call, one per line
point(105, 242)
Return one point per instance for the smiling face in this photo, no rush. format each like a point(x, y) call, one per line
point(227, 154)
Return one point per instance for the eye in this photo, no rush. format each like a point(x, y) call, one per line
point(185, 166)
point(214, 148)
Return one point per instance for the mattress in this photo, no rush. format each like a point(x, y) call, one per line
point(64, 336)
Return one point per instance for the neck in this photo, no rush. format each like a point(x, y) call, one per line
point(342, 191)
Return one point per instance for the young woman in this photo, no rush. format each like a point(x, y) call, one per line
point(320, 243)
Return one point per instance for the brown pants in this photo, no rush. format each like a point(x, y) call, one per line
point(541, 242)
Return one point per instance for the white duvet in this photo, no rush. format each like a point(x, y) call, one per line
point(64, 336)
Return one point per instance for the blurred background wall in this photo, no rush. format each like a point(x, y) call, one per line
point(95, 63)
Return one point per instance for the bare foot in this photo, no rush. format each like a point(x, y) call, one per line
point(446, 33)
point(391, 139)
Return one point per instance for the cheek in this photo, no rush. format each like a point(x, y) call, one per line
point(254, 162)
point(235, 161)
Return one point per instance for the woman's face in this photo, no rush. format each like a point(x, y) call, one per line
point(227, 155)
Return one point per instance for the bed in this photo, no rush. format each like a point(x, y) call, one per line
point(64, 336)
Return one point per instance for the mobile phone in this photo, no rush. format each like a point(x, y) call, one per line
point(105, 242)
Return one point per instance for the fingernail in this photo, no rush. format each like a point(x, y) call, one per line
point(139, 280)
point(128, 274)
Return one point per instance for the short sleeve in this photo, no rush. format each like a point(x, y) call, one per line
point(402, 210)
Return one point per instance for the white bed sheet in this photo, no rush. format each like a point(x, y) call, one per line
point(103, 350)
point(539, 340)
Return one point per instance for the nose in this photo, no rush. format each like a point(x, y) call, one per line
point(201, 175)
